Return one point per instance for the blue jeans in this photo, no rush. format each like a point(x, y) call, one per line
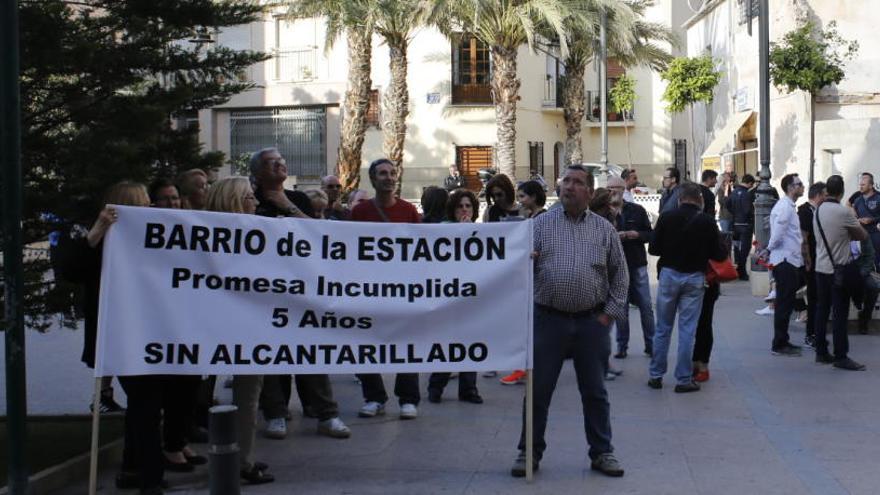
point(725, 225)
point(681, 292)
point(556, 336)
point(640, 295)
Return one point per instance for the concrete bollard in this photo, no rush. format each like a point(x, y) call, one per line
point(223, 454)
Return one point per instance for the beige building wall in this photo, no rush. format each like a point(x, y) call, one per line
point(435, 125)
point(847, 115)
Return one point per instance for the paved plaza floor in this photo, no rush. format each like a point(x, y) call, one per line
point(762, 425)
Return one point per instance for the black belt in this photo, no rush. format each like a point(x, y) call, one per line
point(570, 314)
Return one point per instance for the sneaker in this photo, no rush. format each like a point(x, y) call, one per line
point(607, 464)
point(621, 354)
point(333, 428)
point(765, 311)
point(655, 383)
point(473, 398)
point(106, 404)
point(519, 465)
point(787, 350)
point(371, 409)
point(802, 317)
point(517, 377)
point(435, 396)
point(408, 411)
point(684, 388)
point(276, 428)
point(701, 376)
point(771, 296)
point(609, 376)
point(824, 358)
point(810, 341)
point(848, 364)
point(490, 374)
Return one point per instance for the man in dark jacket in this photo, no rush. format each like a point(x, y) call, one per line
point(634, 229)
point(684, 239)
point(708, 181)
point(671, 183)
point(455, 179)
point(741, 204)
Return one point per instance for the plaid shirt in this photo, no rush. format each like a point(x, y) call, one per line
point(580, 264)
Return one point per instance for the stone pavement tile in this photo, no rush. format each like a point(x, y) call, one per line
point(858, 477)
point(839, 444)
point(730, 443)
point(723, 475)
point(362, 481)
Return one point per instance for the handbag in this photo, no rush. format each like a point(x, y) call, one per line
point(719, 272)
point(847, 275)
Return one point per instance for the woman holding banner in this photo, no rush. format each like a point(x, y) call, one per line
point(142, 459)
point(235, 195)
point(462, 207)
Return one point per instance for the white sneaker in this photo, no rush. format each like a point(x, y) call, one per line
point(408, 411)
point(276, 428)
point(333, 428)
point(771, 296)
point(765, 311)
point(371, 409)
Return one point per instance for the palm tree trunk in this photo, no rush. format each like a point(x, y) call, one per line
point(505, 93)
point(396, 103)
point(354, 108)
point(574, 108)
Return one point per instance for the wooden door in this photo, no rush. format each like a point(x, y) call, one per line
point(469, 160)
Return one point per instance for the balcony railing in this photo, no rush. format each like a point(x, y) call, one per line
point(471, 94)
point(595, 112)
point(552, 92)
point(296, 64)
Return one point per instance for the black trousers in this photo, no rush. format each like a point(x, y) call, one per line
point(812, 302)
point(142, 452)
point(179, 403)
point(313, 390)
point(786, 276)
point(406, 388)
point(743, 247)
point(704, 336)
point(467, 383)
point(831, 301)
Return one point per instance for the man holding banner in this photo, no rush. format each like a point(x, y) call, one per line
point(580, 281)
point(385, 207)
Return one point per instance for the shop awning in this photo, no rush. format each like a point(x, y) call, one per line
point(726, 137)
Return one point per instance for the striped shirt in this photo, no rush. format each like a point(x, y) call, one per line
point(580, 264)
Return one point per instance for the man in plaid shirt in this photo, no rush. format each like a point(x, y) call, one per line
point(580, 289)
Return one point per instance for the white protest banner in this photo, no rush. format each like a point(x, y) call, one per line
point(185, 292)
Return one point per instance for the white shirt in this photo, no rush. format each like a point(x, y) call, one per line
point(628, 196)
point(785, 234)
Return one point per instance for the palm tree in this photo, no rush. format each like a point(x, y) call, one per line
point(630, 39)
point(504, 26)
point(355, 18)
point(395, 22)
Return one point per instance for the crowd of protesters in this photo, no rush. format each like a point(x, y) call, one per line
point(590, 264)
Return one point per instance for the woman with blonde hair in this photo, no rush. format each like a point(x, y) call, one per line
point(142, 459)
point(235, 195)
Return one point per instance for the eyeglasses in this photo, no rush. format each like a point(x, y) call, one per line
point(333, 186)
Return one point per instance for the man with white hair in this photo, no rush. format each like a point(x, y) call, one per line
point(335, 210)
point(634, 228)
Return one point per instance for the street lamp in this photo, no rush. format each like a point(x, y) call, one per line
point(764, 200)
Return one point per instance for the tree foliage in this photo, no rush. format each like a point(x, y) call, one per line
point(623, 95)
point(689, 80)
point(809, 58)
point(101, 82)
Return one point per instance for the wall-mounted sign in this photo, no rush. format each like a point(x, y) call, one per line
point(433, 98)
point(743, 99)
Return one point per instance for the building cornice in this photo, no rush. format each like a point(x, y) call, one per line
point(707, 8)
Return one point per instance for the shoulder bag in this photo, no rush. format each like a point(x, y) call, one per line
point(846, 275)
